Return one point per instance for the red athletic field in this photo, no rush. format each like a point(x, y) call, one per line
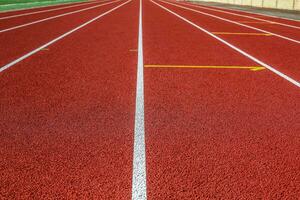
point(149, 99)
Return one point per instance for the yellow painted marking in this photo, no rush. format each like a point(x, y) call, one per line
point(252, 68)
point(229, 33)
point(45, 49)
point(133, 50)
point(254, 22)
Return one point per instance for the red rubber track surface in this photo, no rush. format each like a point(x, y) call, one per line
point(274, 28)
point(12, 22)
point(67, 114)
point(215, 134)
point(276, 19)
point(277, 52)
point(17, 12)
point(29, 38)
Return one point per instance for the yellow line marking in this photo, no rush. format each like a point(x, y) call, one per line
point(45, 49)
point(252, 68)
point(229, 33)
point(253, 22)
point(133, 50)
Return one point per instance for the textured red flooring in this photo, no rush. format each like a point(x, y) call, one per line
point(276, 19)
point(215, 134)
point(67, 115)
point(279, 53)
point(12, 22)
point(67, 112)
point(194, 48)
point(29, 38)
point(275, 28)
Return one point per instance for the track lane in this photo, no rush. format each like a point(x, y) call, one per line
point(251, 14)
point(256, 19)
point(280, 54)
point(292, 31)
point(214, 134)
point(68, 117)
point(291, 35)
point(13, 24)
point(252, 18)
point(29, 38)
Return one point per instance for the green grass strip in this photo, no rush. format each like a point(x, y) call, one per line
point(6, 5)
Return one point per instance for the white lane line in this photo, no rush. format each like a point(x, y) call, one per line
point(253, 13)
point(139, 190)
point(49, 10)
point(233, 47)
point(240, 15)
point(58, 38)
point(54, 17)
point(234, 22)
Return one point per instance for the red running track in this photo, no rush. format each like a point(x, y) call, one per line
point(277, 52)
point(22, 20)
point(256, 15)
point(67, 115)
point(215, 134)
point(68, 111)
point(291, 32)
point(29, 38)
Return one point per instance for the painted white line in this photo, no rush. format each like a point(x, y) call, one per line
point(234, 22)
point(48, 10)
point(54, 17)
point(245, 16)
point(253, 13)
point(232, 46)
point(139, 190)
point(58, 38)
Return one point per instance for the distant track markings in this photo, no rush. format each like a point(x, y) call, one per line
point(259, 20)
point(233, 22)
point(247, 34)
point(295, 82)
point(58, 38)
point(54, 17)
point(246, 12)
